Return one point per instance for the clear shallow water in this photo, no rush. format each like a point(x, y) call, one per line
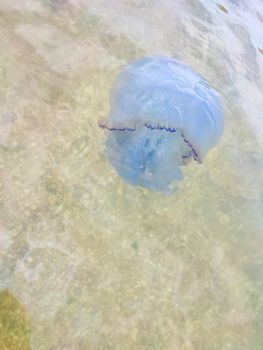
point(96, 263)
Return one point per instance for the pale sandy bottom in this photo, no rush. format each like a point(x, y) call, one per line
point(99, 264)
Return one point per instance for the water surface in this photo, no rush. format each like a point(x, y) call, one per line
point(99, 264)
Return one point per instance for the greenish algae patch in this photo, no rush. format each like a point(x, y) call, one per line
point(222, 8)
point(260, 50)
point(14, 325)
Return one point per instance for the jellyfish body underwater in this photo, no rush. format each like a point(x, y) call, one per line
point(162, 114)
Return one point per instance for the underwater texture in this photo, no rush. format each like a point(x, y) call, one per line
point(87, 261)
point(161, 114)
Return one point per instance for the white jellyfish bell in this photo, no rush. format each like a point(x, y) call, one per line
point(161, 115)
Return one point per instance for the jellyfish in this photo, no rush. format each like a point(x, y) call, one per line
point(162, 115)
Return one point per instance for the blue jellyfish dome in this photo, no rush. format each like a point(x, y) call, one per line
point(162, 114)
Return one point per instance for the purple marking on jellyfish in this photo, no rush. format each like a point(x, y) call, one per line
point(195, 154)
point(161, 114)
point(158, 127)
point(104, 126)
